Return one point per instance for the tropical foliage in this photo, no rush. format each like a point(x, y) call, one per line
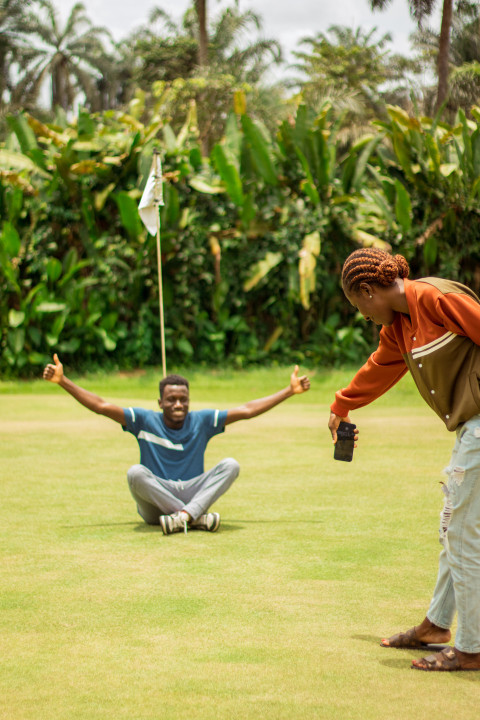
point(265, 193)
point(353, 70)
point(235, 61)
point(253, 237)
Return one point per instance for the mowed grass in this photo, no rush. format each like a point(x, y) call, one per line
point(276, 616)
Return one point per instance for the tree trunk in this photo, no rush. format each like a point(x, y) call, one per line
point(443, 52)
point(201, 7)
point(3, 80)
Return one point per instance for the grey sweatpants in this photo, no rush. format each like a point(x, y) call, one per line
point(156, 496)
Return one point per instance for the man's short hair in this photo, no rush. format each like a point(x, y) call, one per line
point(172, 380)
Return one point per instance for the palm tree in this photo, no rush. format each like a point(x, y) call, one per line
point(233, 51)
point(420, 9)
point(465, 41)
point(234, 61)
point(347, 68)
point(12, 24)
point(443, 52)
point(201, 10)
point(237, 60)
point(162, 50)
point(464, 57)
point(72, 56)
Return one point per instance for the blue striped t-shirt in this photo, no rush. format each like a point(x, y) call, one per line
point(174, 454)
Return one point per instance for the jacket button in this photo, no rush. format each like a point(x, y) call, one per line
point(433, 392)
point(420, 365)
point(447, 417)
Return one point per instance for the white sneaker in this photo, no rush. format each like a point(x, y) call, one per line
point(174, 523)
point(209, 522)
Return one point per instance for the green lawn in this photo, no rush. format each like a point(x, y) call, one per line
point(276, 616)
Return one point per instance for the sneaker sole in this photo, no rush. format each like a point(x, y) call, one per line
point(214, 527)
point(165, 529)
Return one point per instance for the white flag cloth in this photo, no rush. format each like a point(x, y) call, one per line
point(152, 197)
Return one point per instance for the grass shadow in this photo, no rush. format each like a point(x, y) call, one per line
point(427, 649)
point(224, 527)
point(230, 527)
point(366, 638)
point(283, 521)
point(97, 525)
point(404, 663)
point(144, 528)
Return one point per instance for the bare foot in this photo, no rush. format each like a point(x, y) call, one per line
point(468, 661)
point(431, 634)
point(417, 637)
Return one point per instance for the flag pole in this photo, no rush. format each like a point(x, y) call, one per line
point(158, 200)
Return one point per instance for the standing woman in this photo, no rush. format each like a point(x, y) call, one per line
point(430, 327)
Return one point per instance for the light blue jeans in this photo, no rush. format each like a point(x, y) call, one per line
point(458, 582)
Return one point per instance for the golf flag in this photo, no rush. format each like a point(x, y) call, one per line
point(152, 197)
point(149, 211)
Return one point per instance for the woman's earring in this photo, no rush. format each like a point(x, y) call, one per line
point(370, 296)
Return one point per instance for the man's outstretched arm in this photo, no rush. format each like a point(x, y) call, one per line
point(257, 407)
point(54, 373)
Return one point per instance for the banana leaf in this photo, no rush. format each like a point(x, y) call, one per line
point(10, 239)
point(17, 161)
point(261, 151)
point(229, 174)
point(205, 186)
point(403, 207)
point(260, 269)
point(306, 266)
point(129, 214)
point(23, 131)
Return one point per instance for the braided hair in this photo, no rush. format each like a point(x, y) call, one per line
point(374, 266)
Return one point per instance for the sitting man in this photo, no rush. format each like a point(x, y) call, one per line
point(170, 485)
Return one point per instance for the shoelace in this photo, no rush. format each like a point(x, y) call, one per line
point(183, 521)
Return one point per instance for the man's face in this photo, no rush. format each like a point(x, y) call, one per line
point(174, 404)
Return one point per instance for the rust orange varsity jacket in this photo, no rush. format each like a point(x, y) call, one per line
point(438, 342)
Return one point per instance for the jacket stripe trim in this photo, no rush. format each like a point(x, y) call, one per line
point(434, 345)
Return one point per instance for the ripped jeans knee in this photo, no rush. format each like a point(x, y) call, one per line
point(455, 477)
